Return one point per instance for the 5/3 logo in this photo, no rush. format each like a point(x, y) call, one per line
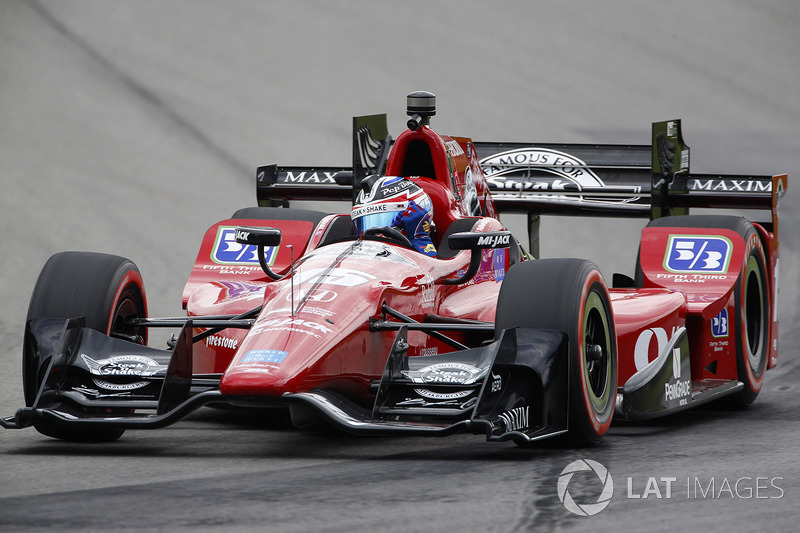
point(719, 324)
point(698, 254)
point(227, 251)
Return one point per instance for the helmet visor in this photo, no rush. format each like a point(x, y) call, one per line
point(374, 220)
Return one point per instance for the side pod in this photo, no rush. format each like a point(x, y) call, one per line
point(665, 385)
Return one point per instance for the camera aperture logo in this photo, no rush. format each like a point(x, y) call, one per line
point(605, 481)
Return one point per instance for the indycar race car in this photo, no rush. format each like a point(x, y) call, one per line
point(296, 309)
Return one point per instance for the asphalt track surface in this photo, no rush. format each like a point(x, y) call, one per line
point(130, 127)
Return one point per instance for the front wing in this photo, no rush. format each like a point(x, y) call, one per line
point(515, 388)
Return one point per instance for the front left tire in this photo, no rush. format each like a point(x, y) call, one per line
point(105, 289)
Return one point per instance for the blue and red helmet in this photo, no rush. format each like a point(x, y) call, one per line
point(386, 198)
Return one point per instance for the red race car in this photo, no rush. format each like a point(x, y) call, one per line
point(417, 312)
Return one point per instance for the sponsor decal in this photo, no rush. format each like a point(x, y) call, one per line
point(471, 202)
point(696, 254)
point(691, 278)
point(534, 169)
point(242, 235)
point(377, 208)
point(427, 296)
point(677, 390)
point(237, 289)
point(298, 325)
point(227, 251)
point(499, 264)
point(454, 148)
point(719, 324)
point(602, 474)
point(459, 373)
point(494, 241)
point(123, 365)
point(233, 269)
point(516, 419)
point(218, 341)
point(730, 185)
point(681, 388)
point(560, 164)
point(386, 190)
point(318, 311)
point(425, 393)
point(308, 177)
point(314, 295)
point(135, 366)
point(497, 382)
point(296, 322)
point(641, 351)
point(264, 356)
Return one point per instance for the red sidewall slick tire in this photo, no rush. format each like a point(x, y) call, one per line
point(105, 289)
point(599, 398)
point(570, 295)
point(752, 332)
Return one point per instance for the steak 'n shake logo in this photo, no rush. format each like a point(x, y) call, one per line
point(531, 170)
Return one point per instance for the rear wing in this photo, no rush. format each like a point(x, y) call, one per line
point(610, 180)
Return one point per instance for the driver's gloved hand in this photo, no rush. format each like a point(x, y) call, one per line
point(416, 223)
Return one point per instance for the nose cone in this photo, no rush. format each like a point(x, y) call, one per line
point(279, 354)
point(256, 372)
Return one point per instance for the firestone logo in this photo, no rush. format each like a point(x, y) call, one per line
point(585, 509)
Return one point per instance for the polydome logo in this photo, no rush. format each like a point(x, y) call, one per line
point(585, 509)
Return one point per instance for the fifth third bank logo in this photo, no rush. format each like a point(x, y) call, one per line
point(603, 482)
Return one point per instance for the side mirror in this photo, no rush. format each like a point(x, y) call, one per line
point(260, 237)
point(477, 242)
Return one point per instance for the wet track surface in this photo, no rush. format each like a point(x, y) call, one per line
point(131, 127)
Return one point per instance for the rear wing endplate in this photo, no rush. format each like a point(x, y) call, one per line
point(277, 186)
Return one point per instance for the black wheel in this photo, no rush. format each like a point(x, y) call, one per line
point(106, 290)
point(751, 299)
point(569, 295)
point(390, 233)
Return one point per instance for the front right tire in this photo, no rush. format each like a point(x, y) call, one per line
point(569, 295)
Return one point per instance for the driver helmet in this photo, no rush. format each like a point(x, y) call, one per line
point(386, 197)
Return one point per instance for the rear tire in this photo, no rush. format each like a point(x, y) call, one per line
point(106, 290)
point(569, 295)
point(751, 300)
